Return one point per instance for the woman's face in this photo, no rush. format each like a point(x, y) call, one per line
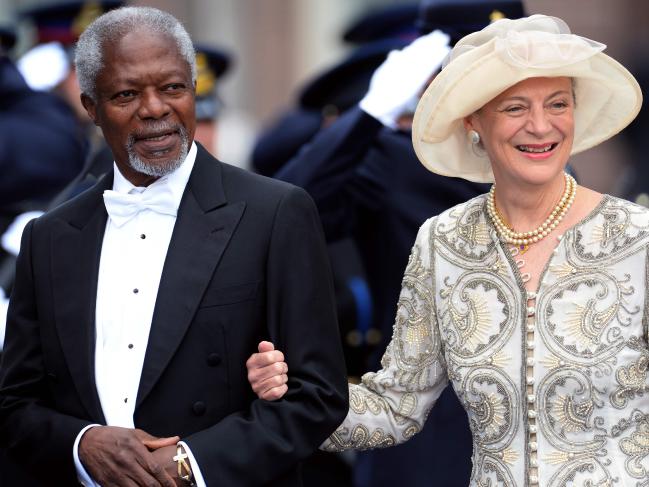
point(527, 130)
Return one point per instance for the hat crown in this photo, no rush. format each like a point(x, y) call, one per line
point(538, 41)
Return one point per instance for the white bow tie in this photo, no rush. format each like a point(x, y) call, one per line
point(121, 207)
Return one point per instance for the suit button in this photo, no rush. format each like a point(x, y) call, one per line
point(199, 408)
point(213, 359)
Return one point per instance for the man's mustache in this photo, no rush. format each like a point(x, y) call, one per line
point(155, 129)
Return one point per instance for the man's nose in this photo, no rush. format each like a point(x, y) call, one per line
point(152, 105)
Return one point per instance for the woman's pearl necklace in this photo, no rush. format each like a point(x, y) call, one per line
point(524, 239)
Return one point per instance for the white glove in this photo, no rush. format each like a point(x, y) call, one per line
point(11, 238)
point(44, 66)
point(399, 81)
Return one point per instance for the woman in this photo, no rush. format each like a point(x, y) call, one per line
point(530, 299)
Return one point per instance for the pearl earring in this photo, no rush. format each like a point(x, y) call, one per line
point(474, 137)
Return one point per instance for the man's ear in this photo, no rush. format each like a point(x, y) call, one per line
point(90, 106)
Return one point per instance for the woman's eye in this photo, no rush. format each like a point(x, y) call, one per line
point(559, 105)
point(514, 109)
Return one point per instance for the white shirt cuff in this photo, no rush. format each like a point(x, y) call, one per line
point(83, 476)
point(196, 471)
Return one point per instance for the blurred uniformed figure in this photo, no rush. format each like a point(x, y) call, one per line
point(211, 65)
point(336, 89)
point(319, 103)
point(40, 151)
point(41, 146)
point(368, 184)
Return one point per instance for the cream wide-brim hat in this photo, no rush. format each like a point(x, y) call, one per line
point(484, 64)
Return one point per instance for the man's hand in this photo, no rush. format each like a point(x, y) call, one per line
point(121, 457)
point(267, 372)
point(164, 456)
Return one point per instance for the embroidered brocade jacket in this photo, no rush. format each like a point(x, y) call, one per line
point(554, 383)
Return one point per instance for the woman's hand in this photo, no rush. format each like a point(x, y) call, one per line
point(267, 372)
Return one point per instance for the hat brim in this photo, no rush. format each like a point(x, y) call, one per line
point(607, 99)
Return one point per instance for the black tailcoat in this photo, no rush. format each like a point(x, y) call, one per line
point(246, 261)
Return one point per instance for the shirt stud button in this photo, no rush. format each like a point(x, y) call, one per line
point(213, 359)
point(142, 236)
point(199, 408)
point(130, 345)
point(136, 290)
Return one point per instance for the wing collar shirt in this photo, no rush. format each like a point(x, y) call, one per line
point(132, 257)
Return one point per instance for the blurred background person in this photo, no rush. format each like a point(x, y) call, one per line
point(211, 65)
point(40, 151)
point(318, 105)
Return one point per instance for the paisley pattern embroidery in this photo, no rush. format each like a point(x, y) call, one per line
point(632, 380)
point(636, 447)
point(462, 316)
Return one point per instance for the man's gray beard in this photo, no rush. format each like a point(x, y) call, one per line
point(160, 169)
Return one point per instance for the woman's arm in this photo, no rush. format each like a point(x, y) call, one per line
point(391, 405)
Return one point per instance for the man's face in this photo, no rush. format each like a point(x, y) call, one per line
point(144, 105)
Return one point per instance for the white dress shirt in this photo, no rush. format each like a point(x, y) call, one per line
point(132, 258)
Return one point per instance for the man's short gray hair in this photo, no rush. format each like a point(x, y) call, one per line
point(117, 23)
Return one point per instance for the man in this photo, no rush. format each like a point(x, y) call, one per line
point(142, 317)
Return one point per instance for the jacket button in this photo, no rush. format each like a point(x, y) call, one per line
point(213, 359)
point(199, 408)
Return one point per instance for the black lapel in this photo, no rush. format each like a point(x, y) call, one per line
point(205, 224)
point(75, 253)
